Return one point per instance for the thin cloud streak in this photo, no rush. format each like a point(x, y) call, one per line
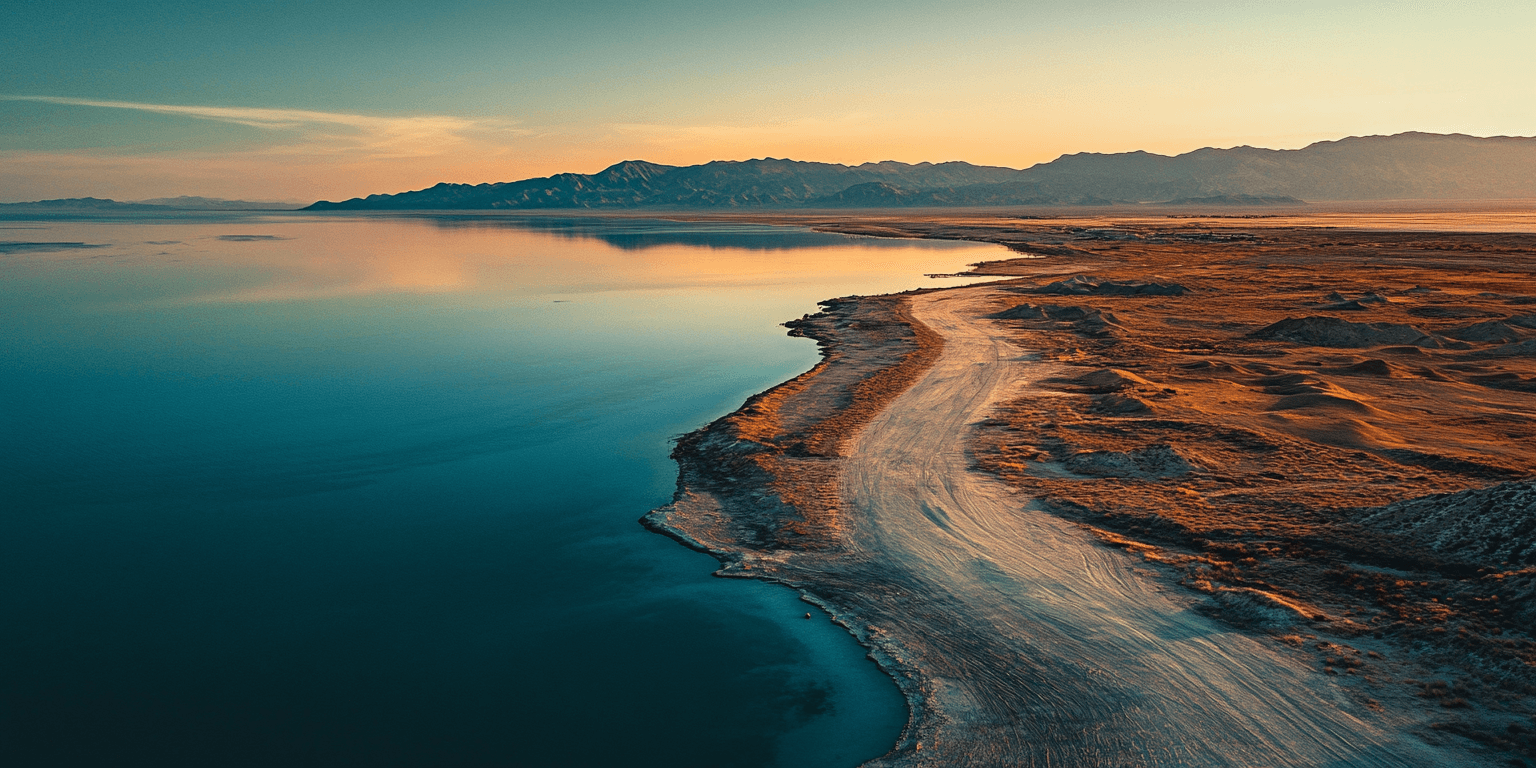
point(371, 136)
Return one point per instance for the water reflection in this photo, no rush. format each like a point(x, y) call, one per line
point(638, 234)
point(293, 258)
point(288, 490)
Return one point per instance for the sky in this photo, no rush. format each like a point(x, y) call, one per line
point(302, 101)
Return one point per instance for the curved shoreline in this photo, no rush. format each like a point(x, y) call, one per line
point(791, 489)
point(706, 494)
point(967, 678)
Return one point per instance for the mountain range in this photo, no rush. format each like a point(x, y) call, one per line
point(88, 205)
point(1423, 166)
point(195, 203)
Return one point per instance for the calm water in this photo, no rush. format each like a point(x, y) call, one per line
point(292, 490)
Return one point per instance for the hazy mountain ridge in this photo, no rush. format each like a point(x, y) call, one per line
point(723, 183)
point(1404, 166)
point(83, 204)
point(161, 204)
point(196, 203)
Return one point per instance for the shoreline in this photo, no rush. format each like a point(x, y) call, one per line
point(702, 494)
point(760, 489)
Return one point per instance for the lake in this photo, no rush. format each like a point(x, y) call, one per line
point(303, 490)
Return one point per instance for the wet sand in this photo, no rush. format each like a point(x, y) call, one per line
point(964, 542)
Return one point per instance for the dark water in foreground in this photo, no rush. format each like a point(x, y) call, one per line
point(306, 491)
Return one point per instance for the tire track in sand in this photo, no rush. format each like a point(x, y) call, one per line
point(1043, 648)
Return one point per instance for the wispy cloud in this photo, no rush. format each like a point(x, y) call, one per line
point(371, 136)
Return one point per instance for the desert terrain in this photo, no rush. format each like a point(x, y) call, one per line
point(1168, 492)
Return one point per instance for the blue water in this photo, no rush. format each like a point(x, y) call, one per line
point(324, 491)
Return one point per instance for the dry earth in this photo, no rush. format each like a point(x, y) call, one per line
point(1205, 529)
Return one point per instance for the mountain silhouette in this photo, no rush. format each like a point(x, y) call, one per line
point(720, 184)
point(89, 205)
point(83, 204)
point(196, 203)
point(1422, 166)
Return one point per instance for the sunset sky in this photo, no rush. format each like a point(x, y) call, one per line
point(303, 101)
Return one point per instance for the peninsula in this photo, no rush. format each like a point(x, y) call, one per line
point(1178, 493)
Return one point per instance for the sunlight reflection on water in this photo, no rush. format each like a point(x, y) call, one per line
point(325, 490)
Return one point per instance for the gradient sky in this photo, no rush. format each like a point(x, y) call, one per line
point(303, 100)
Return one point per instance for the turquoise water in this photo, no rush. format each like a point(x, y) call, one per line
point(296, 490)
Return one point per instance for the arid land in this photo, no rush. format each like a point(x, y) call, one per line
point(1177, 492)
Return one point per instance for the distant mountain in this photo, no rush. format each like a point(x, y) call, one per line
point(194, 203)
point(1407, 166)
point(83, 204)
point(720, 184)
point(1404, 166)
point(161, 204)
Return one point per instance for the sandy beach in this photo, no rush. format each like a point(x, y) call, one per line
point(1178, 494)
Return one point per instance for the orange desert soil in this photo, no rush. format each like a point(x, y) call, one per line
point(1319, 437)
